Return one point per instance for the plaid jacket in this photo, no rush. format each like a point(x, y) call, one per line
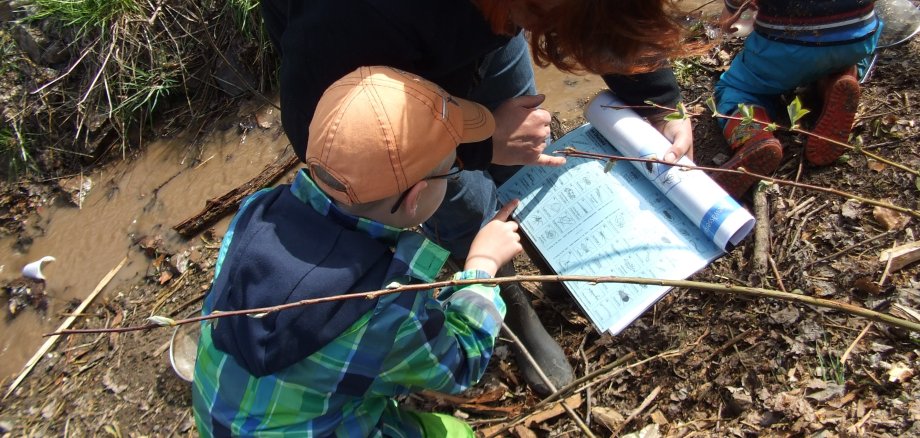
point(405, 343)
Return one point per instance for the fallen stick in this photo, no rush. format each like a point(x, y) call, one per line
point(67, 322)
point(561, 394)
point(757, 292)
point(635, 413)
point(574, 416)
point(901, 256)
point(846, 354)
point(761, 232)
point(850, 248)
point(216, 208)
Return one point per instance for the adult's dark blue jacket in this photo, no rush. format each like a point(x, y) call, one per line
point(440, 40)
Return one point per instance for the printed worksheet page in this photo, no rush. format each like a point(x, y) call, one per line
point(585, 221)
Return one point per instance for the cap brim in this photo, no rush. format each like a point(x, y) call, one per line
point(478, 123)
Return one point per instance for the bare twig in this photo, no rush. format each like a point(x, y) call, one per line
point(92, 84)
point(612, 369)
point(798, 227)
point(794, 129)
point(849, 248)
point(731, 342)
point(86, 52)
point(881, 281)
point(846, 354)
point(761, 231)
point(779, 278)
point(572, 414)
point(635, 413)
point(698, 285)
point(572, 152)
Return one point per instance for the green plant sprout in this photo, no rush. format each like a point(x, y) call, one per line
point(831, 369)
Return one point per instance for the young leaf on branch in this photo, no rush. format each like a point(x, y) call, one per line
point(796, 112)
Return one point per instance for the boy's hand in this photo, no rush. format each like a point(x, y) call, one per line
point(521, 130)
point(496, 243)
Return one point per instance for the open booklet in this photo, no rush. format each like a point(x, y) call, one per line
point(637, 220)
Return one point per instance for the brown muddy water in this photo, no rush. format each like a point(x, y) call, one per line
point(148, 194)
point(142, 196)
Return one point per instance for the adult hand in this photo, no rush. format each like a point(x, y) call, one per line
point(496, 243)
point(679, 133)
point(521, 130)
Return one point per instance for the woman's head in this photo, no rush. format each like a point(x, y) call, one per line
point(598, 36)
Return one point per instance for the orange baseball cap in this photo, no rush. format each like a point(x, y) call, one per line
point(379, 130)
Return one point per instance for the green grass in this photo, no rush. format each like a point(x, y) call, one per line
point(242, 12)
point(9, 53)
point(686, 69)
point(85, 15)
point(831, 368)
point(14, 151)
point(144, 89)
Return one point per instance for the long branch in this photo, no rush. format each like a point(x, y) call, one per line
point(795, 129)
point(572, 152)
point(699, 285)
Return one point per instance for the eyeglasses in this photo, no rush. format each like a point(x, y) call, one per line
point(452, 174)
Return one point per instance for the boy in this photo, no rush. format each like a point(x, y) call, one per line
point(794, 43)
point(480, 50)
point(381, 147)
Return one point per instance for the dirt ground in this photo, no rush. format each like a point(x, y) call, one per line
point(697, 363)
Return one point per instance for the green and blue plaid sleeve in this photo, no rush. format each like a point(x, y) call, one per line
point(444, 345)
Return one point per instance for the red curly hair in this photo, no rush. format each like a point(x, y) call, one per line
point(597, 36)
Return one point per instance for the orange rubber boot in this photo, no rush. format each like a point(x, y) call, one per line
point(754, 148)
point(841, 98)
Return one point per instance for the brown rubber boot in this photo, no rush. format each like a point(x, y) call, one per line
point(754, 148)
point(841, 98)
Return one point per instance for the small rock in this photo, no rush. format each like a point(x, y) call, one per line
point(900, 373)
point(111, 385)
point(720, 159)
point(76, 189)
point(880, 348)
point(832, 390)
point(6, 426)
point(890, 219)
point(850, 209)
point(264, 121)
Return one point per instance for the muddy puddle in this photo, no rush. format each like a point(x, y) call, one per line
point(148, 194)
point(143, 196)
